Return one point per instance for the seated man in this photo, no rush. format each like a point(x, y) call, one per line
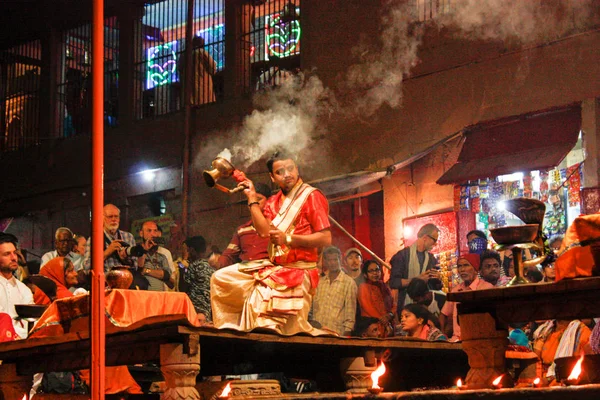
point(418, 291)
point(468, 266)
point(246, 244)
point(63, 247)
point(15, 291)
point(490, 269)
point(276, 293)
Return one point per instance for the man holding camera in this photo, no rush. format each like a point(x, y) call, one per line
point(414, 262)
point(153, 265)
point(116, 242)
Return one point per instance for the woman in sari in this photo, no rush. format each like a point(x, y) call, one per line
point(375, 298)
point(414, 321)
point(62, 272)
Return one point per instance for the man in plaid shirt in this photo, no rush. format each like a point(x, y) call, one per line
point(334, 305)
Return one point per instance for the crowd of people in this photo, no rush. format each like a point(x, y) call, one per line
point(281, 272)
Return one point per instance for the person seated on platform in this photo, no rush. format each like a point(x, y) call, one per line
point(15, 291)
point(372, 327)
point(418, 292)
point(246, 244)
point(276, 293)
point(477, 241)
point(352, 265)
point(153, 265)
point(197, 278)
point(414, 320)
point(334, 305)
point(79, 242)
point(558, 339)
point(490, 269)
point(63, 247)
point(61, 271)
point(517, 335)
point(468, 267)
point(374, 296)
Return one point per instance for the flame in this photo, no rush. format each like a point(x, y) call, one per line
point(576, 371)
point(376, 374)
point(459, 383)
point(497, 381)
point(226, 391)
point(24, 397)
point(536, 381)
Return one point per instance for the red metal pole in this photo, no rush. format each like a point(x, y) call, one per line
point(97, 293)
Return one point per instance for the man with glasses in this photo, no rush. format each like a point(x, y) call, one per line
point(63, 244)
point(115, 241)
point(414, 262)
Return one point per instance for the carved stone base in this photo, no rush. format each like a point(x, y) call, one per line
point(239, 388)
point(485, 347)
point(180, 371)
point(12, 385)
point(356, 375)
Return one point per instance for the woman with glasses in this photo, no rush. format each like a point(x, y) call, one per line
point(375, 298)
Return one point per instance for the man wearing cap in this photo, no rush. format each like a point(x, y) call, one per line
point(246, 244)
point(352, 262)
point(468, 268)
point(414, 262)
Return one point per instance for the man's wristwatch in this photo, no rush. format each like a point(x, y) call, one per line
point(288, 239)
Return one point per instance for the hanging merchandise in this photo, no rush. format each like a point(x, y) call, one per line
point(555, 176)
point(544, 186)
point(474, 200)
point(574, 187)
point(464, 197)
point(456, 198)
point(527, 185)
point(483, 189)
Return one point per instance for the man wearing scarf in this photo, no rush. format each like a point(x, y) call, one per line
point(276, 293)
point(414, 262)
point(468, 268)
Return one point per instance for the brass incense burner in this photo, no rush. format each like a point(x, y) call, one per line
point(528, 236)
point(221, 168)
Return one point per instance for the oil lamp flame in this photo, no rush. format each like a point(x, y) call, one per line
point(24, 397)
point(536, 381)
point(459, 383)
point(375, 375)
point(576, 371)
point(497, 381)
point(226, 391)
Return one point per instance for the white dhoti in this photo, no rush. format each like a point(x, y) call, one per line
point(241, 302)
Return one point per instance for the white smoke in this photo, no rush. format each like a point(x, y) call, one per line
point(525, 20)
point(285, 117)
point(377, 77)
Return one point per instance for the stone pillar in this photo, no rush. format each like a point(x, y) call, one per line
point(180, 368)
point(485, 346)
point(131, 78)
point(238, 20)
point(356, 372)
point(12, 385)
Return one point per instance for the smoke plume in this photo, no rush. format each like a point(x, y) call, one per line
point(377, 77)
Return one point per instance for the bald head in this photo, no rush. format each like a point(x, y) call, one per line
point(112, 216)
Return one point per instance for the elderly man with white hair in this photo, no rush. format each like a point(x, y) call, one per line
point(116, 241)
point(63, 244)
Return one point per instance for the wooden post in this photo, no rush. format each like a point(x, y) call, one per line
point(485, 347)
point(180, 364)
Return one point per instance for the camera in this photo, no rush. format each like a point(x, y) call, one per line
point(135, 251)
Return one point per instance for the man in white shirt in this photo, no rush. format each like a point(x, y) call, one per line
point(12, 290)
point(63, 244)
